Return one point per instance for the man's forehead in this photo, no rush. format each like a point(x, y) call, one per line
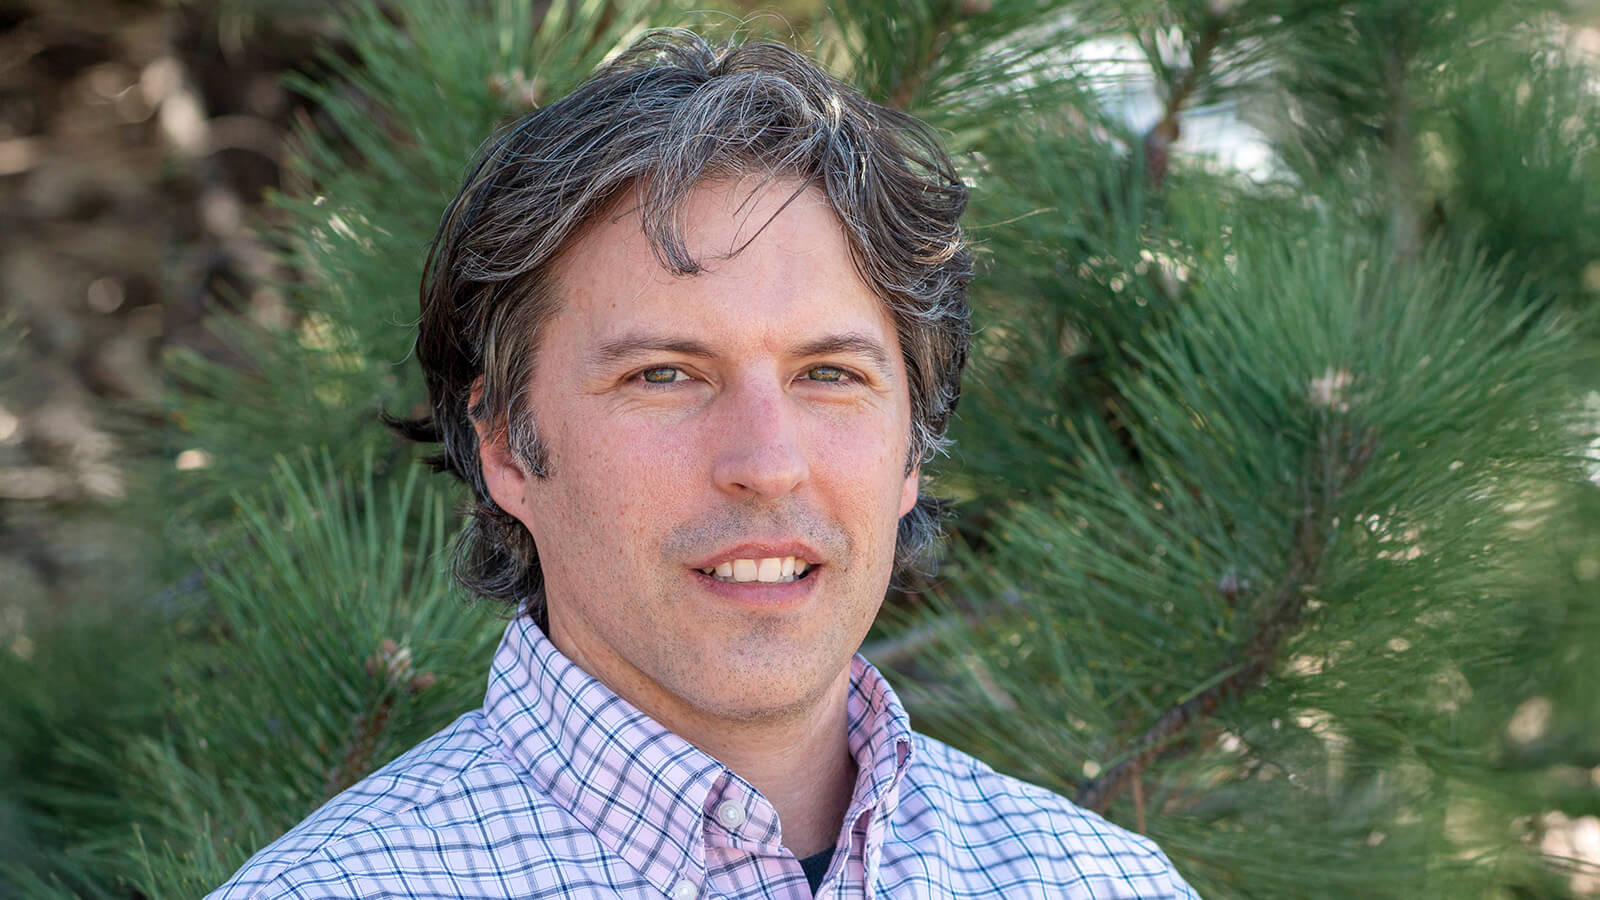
point(715, 218)
point(719, 221)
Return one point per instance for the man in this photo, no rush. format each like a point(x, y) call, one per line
point(690, 334)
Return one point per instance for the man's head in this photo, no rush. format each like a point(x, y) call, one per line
point(640, 139)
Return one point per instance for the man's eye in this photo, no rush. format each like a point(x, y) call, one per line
point(827, 374)
point(662, 375)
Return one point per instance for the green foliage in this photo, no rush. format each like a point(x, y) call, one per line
point(964, 65)
point(1521, 170)
point(1327, 444)
point(1080, 261)
point(73, 687)
point(336, 642)
point(1553, 743)
point(1353, 76)
point(399, 128)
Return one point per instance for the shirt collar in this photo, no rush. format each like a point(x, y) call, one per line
point(880, 738)
point(641, 790)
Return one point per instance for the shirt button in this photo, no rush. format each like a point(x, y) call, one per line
point(730, 814)
point(684, 890)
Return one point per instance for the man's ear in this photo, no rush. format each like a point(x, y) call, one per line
point(908, 490)
point(503, 474)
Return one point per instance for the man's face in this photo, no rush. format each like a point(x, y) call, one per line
point(733, 419)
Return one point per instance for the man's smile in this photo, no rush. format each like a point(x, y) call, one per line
point(769, 569)
point(764, 561)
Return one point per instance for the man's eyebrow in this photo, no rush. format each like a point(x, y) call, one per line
point(633, 345)
point(848, 343)
point(851, 344)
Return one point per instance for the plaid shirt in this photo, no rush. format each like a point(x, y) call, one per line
point(559, 788)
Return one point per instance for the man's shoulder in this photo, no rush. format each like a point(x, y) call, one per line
point(973, 793)
point(1008, 828)
point(433, 785)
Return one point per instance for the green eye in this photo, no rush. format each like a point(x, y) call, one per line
point(827, 374)
point(660, 375)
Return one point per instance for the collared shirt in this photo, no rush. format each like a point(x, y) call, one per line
point(559, 788)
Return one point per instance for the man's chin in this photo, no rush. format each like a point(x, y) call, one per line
point(783, 688)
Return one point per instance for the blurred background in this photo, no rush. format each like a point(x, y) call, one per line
point(1278, 535)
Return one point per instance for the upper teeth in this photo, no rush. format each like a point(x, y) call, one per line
point(771, 568)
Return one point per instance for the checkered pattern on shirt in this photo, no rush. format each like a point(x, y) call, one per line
point(558, 788)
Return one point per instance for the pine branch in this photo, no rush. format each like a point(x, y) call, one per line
point(360, 748)
point(1164, 133)
point(393, 663)
point(1199, 68)
point(1404, 219)
point(1287, 608)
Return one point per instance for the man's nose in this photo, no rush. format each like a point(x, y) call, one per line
point(760, 451)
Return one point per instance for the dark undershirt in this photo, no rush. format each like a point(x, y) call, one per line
point(817, 866)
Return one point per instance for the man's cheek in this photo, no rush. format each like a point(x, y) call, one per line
point(641, 469)
point(863, 456)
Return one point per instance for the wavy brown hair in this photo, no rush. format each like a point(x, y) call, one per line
point(669, 113)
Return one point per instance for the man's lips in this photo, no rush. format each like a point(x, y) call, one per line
point(764, 563)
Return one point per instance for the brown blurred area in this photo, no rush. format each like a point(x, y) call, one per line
point(138, 142)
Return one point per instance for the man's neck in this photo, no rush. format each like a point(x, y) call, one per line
point(799, 761)
point(804, 769)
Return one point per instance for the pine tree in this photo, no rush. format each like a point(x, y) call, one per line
point(1279, 534)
